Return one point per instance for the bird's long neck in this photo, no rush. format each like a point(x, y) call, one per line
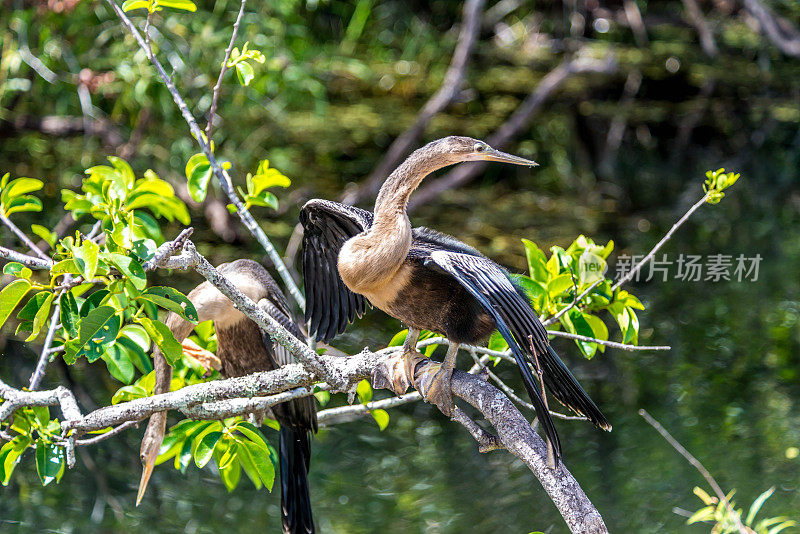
point(370, 260)
point(394, 194)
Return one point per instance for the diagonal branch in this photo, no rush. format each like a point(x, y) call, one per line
point(518, 121)
point(21, 235)
point(777, 29)
point(448, 91)
point(223, 70)
point(222, 176)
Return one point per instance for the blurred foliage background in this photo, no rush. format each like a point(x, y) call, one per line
point(341, 80)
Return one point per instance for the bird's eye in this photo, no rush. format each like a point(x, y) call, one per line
point(479, 147)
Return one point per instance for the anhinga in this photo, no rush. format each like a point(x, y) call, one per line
point(429, 281)
point(243, 348)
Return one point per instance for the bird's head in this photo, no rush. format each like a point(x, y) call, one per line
point(457, 149)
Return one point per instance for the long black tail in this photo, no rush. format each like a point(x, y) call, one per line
point(295, 454)
point(567, 390)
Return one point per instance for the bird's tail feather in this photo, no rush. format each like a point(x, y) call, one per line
point(566, 389)
point(295, 454)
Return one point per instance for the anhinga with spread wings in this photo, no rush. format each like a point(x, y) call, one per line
point(429, 281)
point(243, 348)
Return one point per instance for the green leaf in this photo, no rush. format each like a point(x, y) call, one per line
point(130, 5)
point(10, 455)
point(364, 391)
point(497, 342)
point(172, 300)
point(537, 261)
point(17, 269)
point(399, 338)
point(198, 173)
point(757, 504)
point(581, 327)
point(119, 363)
point(93, 301)
point(185, 5)
point(557, 285)
point(43, 232)
point(69, 313)
point(381, 417)
point(130, 268)
point(137, 334)
point(49, 462)
point(244, 72)
point(67, 266)
point(10, 297)
point(205, 449)
point(42, 314)
point(599, 329)
point(96, 329)
point(231, 474)
point(262, 461)
point(248, 465)
point(86, 257)
point(18, 188)
point(127, 393)
point(162, 336)
point(269, 178)
point(255, 435)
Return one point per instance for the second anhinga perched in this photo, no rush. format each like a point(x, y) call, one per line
point(243, 348)
point(429, 281)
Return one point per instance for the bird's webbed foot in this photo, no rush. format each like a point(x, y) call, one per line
point(396, 372)
point(433, 383)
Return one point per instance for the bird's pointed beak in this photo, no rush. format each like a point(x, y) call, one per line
point(148, 464)
point(496, 155)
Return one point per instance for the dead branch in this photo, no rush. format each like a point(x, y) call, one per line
point(519, 120)
point(448, 91)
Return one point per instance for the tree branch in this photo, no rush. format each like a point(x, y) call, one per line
point(222, 176)
point(778, 30)
point(697, 465)
point(520, 119)
point(629, 276)
point(24, 259)
point(223, 70)
point(21, 235)
point(447, 92)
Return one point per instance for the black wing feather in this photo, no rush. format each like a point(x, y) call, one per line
point(516, 320)
point(331, 305)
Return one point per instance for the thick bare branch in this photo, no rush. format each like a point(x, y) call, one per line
point(24, 259)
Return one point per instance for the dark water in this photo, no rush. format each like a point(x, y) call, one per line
point(727, 390)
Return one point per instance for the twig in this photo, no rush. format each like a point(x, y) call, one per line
point(345, 414)
point(222, 71)
point(574, 303)
point(697, 465)
point(629, 276)
point(222, 176)
point(447, 92)
point(24, 259)
point(44, 357)
point(167, 249)
point(20, 234)
point(613, 344)
point(486, 442)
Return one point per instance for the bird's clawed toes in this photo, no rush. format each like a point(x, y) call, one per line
point(395, 372)
point(433, 382)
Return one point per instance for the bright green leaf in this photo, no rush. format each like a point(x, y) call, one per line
point(172, 300)
point(381, 417)
point(10, 297)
